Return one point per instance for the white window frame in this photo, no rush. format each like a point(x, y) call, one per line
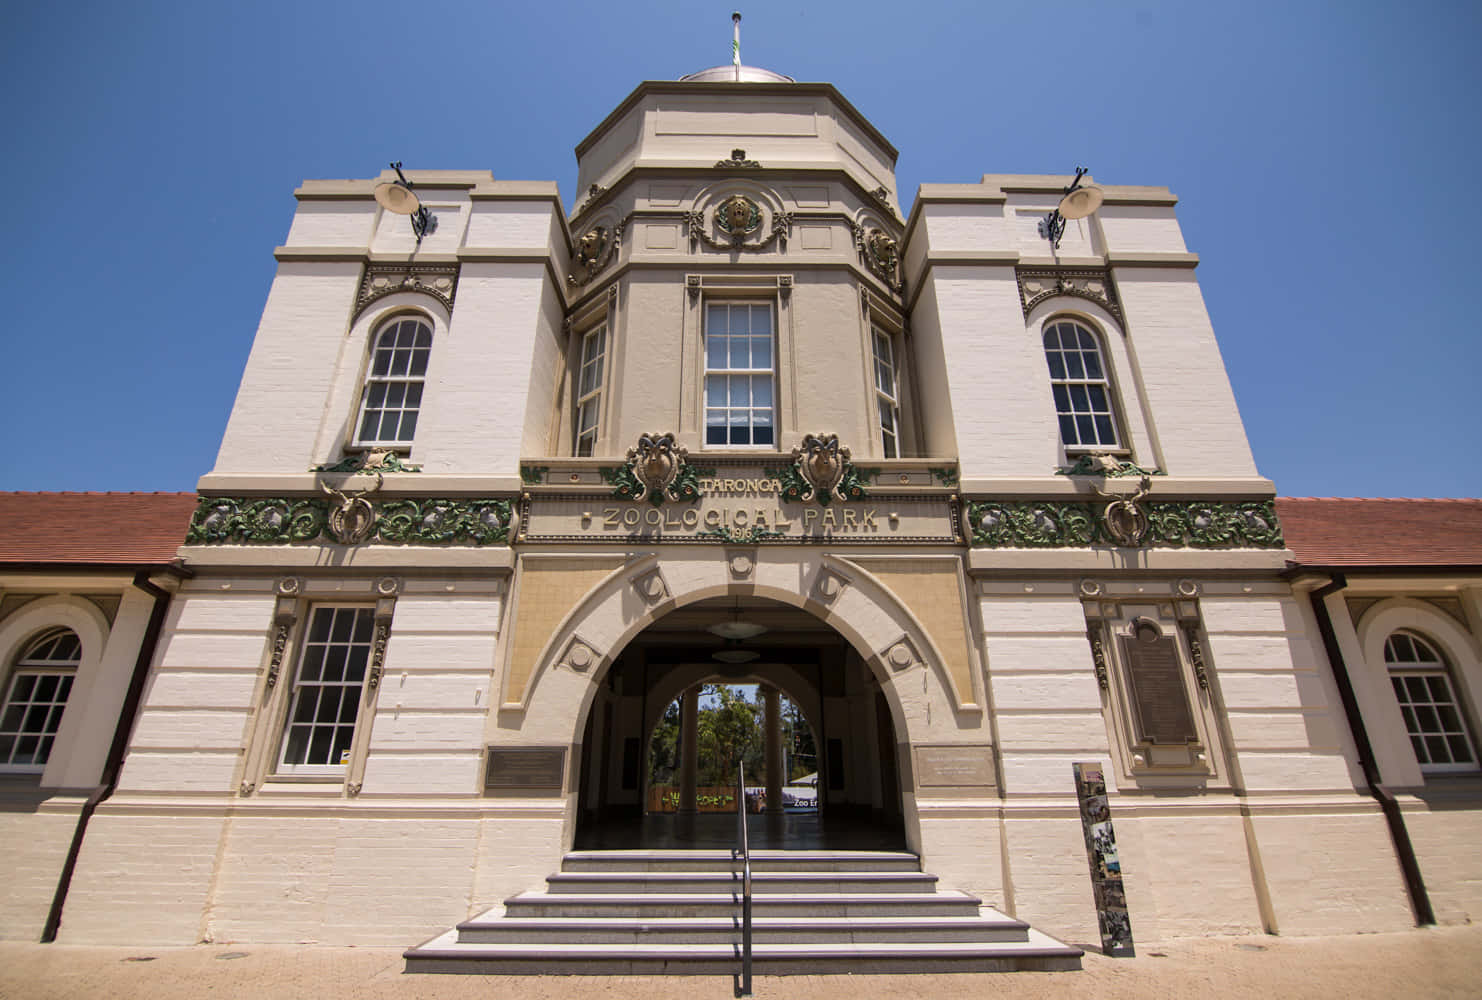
point(1421, 704)
point(38, 664)
point(307, 646)
point(1066, 385)
point(382, 380)
point(887, 379)
point(749, 372)
point(587, 394)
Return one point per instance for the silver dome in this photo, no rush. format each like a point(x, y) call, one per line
point(727, 74)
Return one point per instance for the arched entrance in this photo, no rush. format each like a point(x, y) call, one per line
point(783, 653)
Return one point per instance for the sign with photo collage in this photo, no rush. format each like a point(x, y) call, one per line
point(1106, 867)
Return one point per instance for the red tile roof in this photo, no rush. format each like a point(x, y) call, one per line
point(1328, 531)
point(128, 529)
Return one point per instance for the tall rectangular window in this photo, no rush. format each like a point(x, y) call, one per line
point(738, 374)
point(1422, 686)
point(887, 394)
point(588, 396)
point(327, 690)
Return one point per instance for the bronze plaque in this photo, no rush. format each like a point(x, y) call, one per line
point(528, 768)
point(1160, 702)
point(954, 766)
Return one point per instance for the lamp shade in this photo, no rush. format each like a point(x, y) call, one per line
point(1081, 202)
point(395, 196)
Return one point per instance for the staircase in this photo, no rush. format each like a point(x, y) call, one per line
point(677, 913)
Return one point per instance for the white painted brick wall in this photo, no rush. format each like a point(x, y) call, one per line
point(141, 879)
point(280, 402)
point(35, 849)
point(1186, 388)
point(1185, 876)
point(1332, 874)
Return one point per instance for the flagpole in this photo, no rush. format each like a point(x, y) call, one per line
point(736, 44)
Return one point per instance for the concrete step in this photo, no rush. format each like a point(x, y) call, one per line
point(722, 860)
point(446, 954)
point(943, 903)
point(493, 928)
point(762, 883)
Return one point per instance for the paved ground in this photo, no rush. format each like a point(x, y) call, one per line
point(1436, 962)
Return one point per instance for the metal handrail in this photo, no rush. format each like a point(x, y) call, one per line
point(743, 850)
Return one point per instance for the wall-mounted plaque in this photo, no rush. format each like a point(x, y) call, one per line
point(526, 768)
point(1160, 701)
point(954, 767)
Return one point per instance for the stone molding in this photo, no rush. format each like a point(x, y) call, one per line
point(1036, 284)
point(440, 281)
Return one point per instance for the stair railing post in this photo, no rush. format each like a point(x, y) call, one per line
point(743, 850)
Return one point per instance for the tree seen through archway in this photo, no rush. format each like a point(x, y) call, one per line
point(731, 727)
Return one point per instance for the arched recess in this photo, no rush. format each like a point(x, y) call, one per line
point(92, 629)
point(343, 404)
point(900, 652)
point(1459, 647)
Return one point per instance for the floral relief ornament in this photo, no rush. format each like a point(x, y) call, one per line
point(657, 470)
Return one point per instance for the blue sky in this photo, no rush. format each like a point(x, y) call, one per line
point(1323, 153)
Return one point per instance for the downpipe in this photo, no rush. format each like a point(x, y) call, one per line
point(1420, 901)
point(114, 763)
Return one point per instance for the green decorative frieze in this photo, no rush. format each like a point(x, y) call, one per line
point(533, 475)
point(277, 521)
point(1106, 466)
point(233, 521)
point(443, 522)
point(946, 476)
point(1172, 524)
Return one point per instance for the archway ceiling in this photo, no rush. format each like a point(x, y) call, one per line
point(786, 626)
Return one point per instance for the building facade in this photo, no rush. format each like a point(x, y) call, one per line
point(487, 492)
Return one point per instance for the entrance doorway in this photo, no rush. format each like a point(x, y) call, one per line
point(697, 685)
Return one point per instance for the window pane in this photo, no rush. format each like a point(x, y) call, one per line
point(1093, 365)
point(408, 426)
point(1067, 430)
point(319, 746)
point(1079, 403)
point(1086, 428)
point(715, 433)
point(715, 391)
point(1073, 365)
point(715, 351)
point(740, 390)
point(1104, 433)
point(761, 390)
point(761, 352)
point(1057, 364)
point(740, 357)
point(762, 433)
point(1062, 399)
point(1461, 753)
point(717, 319)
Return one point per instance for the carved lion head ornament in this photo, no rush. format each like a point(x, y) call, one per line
point(738, 215)
point(590, 246)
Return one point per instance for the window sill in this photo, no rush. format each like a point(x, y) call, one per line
point(306, 779)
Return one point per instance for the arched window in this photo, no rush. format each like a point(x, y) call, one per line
point(1083, 399)
point(393, 383)
point(1422, 684)
point(37, 695)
